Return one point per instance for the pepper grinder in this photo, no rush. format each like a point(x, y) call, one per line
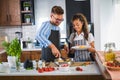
point(37, 66)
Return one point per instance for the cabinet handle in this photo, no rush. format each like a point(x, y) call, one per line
point(9, 17)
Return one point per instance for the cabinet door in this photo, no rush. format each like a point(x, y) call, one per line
point(35, 55)
point(3, 13)
point(10, 13)
point(25, 55)
point(3, 57)
point(14, 12)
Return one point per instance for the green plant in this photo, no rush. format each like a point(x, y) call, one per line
point(27, 16)
point(26, 4)
point(12, 48)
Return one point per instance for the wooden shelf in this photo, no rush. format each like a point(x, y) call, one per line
point(30, 12)
point(26, 11)
point(26, 24)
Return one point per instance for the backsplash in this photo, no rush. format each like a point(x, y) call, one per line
point(28, 31)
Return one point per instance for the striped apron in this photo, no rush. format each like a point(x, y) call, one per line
point(81, 55)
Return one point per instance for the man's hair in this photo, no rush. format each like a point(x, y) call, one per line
point(57, 10)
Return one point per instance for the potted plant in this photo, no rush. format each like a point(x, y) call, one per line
point(29, 43)
point(26, 6)
point(27, 18)
point(13, 50)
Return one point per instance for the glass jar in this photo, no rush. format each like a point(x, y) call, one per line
point(109, 53)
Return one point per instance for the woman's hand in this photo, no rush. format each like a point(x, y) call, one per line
point(92, 48)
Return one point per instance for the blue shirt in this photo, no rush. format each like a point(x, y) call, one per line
point(44, 32)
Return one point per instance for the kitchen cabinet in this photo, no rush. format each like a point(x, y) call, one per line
point(27, 12)
point(10, 13)
point(32, 55)
point(3, 57)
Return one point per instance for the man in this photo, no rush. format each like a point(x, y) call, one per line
point(49, 35)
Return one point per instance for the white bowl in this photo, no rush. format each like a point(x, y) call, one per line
point(64, 67)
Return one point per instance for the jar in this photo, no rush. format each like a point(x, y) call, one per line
point(109, 53)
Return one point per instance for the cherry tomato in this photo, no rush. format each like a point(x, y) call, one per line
point(40, 70)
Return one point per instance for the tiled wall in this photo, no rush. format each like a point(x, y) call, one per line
point(28, 31)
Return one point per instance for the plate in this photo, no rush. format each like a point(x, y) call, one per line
point(114, 68)
point(80, 47)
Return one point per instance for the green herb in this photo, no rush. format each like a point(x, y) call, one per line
point(0, 62)
point(27, 16)
point(26, 4)
point(13, 48)
point(30, 68)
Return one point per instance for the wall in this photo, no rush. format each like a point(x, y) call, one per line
point(105, 23)
point(102, 15)
point(42, 13)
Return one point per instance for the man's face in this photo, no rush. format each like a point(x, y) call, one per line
point(56, 19)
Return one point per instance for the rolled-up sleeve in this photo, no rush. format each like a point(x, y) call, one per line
point(42, 35)
point(90, 38)
point(71, 38)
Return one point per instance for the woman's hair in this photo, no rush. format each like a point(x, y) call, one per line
point(57, 10)
point(83, 19)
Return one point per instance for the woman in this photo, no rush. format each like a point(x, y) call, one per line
point(81, 36)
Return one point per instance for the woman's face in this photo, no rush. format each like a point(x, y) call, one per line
point(77, 25)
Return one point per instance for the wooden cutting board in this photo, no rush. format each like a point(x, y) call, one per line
point(2, 38)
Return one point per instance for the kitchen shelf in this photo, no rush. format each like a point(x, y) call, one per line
point(26, 11)
point(29, 12)
point(26, 24)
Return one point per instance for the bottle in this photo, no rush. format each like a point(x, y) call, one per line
point(37, 66)
point(109, 53)
point(43, 63)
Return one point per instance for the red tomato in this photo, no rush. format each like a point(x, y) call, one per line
point(40, 70)
point(50, 69)
point(46, 69)
point(79, 69)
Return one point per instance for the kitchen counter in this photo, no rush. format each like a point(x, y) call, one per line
point(107, 73)
point(91, 69)
point(90, 72)
point(31, 49)
point(24, 49)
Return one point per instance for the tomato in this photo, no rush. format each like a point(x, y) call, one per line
point(79, 69)
point(50, 69)
point(46, 69)
point(40, 70)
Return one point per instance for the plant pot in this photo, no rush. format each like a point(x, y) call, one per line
point(26, 8)
point(30, 45)
point(11, 61)
point(14, 63)
point(27, 20)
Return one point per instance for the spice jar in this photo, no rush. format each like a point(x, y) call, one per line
point(109, 53)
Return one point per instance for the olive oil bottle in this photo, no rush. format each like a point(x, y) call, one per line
point(109, 53)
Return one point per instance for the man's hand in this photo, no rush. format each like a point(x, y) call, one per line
point(55, 51)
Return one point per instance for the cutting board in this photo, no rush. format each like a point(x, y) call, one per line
point(2, 38)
